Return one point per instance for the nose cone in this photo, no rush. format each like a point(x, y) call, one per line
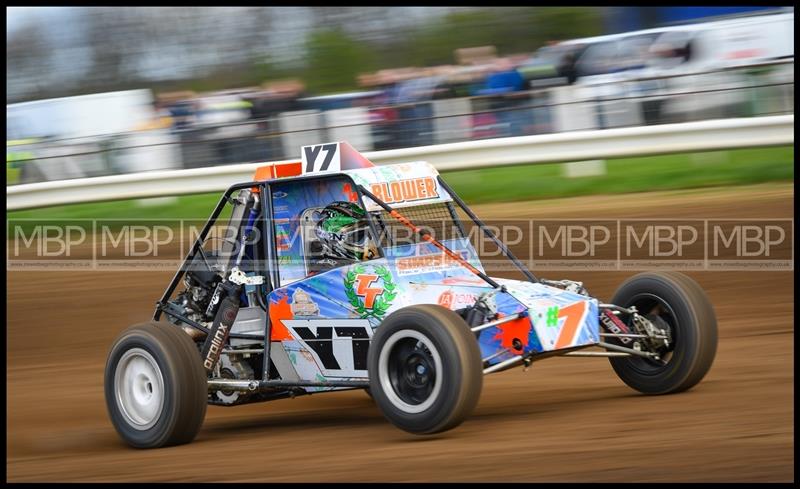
point(560, 319)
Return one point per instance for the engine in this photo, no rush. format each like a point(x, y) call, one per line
point(196, 297)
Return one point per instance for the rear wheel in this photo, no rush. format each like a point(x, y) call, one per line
point(425, 369)
point(676, 303)
point(155, 386)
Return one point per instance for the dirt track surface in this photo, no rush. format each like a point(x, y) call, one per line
point(566, 419)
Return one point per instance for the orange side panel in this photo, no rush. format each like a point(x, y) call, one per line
point(282, 170)
point(277, 313)
point(292, 169)
point(519, 328)
point(266, 172)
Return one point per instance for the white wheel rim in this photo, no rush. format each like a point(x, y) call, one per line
point(386, 383)
point(139, 388)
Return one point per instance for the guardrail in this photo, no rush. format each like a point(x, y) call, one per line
point(539, 149)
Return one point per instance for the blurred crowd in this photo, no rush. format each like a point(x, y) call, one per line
point(733, 68)
point(644, 60)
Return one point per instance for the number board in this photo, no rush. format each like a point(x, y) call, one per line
point(321, 158)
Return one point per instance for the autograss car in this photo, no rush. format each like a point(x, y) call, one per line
point(333, 274)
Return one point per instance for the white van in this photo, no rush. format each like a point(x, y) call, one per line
point(612, 67)
point(604, 70)
point(708, 55)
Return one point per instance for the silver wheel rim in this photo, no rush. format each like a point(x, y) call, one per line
point(385, 381)
point(139, 388)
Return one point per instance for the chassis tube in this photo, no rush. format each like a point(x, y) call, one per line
point(254, 385)
point(497, 322)
point(504, 364)
point(272, 279)
point(609, 346)
point(595, 354)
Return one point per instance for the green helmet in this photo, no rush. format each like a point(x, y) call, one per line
point(343, 231)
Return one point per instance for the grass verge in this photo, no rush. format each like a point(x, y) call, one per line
point(514, 183)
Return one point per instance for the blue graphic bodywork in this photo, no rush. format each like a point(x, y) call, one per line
point(309, 304)
point(415, 276)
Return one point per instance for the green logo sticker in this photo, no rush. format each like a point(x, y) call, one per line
point(552, 316)
point(370, 294)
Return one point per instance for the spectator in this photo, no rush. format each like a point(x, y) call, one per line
point(567, 68)
point(182, 113)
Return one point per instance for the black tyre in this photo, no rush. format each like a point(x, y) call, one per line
point(425, 369)
point(155, 386)
point(674, 302)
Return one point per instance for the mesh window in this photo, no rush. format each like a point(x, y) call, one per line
point(512, 232)
point(446, 221)
point(438, 219)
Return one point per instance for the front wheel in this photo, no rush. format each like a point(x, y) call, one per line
point(425, 369)
point(676, 303)
point(155, 386)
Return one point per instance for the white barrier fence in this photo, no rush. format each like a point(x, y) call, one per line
point(549, 148)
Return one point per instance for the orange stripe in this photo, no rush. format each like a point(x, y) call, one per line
point(573, 315)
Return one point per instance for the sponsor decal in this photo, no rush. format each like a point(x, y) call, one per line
point(370, 292)
point(279, 194)
point(434, 262)
point(302, 305)
point(745, 53)
point(212, 304)
point(466, 280)
point(456, 300)
point(408, 190)
point(282, 238)
point(573, 316)
point(212, 349)
point(560, 326)
point(615, 325)
point(352, 195)
point(216, 344)
point(338, 346)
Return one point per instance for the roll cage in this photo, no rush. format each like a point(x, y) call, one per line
point(265, 256)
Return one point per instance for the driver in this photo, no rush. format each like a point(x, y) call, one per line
point(343, 234)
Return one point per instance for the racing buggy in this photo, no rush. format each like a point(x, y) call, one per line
point(332, 273)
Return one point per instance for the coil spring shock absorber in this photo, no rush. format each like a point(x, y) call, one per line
point(231, 289)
